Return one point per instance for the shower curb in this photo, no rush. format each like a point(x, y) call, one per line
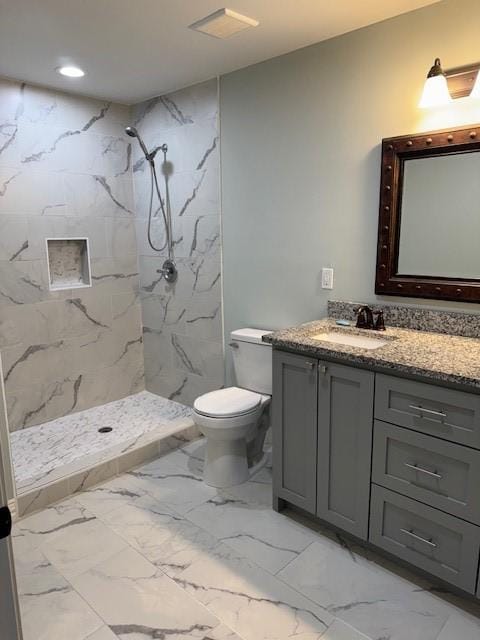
point(64, 487)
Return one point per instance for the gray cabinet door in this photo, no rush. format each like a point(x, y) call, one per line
point(294, 426)
point(345, 427)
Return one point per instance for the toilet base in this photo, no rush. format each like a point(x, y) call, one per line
point(226, 463)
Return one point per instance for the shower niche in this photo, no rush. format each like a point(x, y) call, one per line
point(68, 262)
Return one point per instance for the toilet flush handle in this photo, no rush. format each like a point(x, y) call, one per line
point(234, 345)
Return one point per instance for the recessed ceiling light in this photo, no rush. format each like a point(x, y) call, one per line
point(223, 23)
point(71, 72)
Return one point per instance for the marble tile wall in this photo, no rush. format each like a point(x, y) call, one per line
point(65, 171)
point(182, 323)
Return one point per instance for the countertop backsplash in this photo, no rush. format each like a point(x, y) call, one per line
point(455, 323)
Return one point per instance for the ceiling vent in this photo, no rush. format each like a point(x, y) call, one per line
point(224, 23)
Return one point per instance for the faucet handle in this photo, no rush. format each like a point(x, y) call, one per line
point(380, 321)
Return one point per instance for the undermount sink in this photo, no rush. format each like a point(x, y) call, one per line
point(362, 342)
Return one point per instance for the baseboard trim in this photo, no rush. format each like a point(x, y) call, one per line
point(12, 505)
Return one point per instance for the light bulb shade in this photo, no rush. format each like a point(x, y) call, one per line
point(476, 88)
point(435, 92)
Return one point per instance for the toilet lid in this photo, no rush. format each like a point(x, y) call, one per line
point(226, 403)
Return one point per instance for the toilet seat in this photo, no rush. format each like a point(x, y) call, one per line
point(228, 403)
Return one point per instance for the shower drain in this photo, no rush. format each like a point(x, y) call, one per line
point(105, 429)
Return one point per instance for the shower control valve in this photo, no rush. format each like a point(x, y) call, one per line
point(169, 270)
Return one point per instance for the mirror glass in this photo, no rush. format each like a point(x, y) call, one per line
point(440, 217)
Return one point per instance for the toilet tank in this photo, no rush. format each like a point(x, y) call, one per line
point(252, 360)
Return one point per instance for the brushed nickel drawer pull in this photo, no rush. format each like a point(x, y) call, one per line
point(419, 538)
point(430, 412)
point(323, 368)
point(433, 474)
point(310, 365)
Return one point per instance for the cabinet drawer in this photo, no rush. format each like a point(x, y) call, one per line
point(439, 473)
point(427, 538)
point(445, 413)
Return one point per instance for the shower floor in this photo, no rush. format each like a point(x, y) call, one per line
point(59, 448)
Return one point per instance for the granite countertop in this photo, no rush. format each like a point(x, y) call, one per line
point(434, 356)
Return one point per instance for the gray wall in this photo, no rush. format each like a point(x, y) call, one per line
point(65, 171)
point(300, 141)
point(183, 321)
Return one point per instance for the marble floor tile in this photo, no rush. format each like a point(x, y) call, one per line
point(170, 484)
point(222, 633)
point(191, 457)
point(50, 608)
point(103, 634)
point(339, 630)
point(137, 601)
point(364, 594)
point(168, 540)
point(119, 492)
point(155, 553)
point(255, 531)
point(258, 489)
point(250, 601)
point(73, 554)
point(460, 628)
point(57, 616)
point(36, 576)
point(45, 526)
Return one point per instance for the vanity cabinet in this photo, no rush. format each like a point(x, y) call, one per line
point(344, 422)
point(322, 416)
point(294, 414)
point(393, 461)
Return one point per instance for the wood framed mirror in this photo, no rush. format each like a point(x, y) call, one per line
point(429, 219)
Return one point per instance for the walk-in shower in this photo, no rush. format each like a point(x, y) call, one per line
point(169, 269)
point(100, 369)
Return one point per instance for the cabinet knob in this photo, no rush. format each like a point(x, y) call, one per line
point(310, 365)
point(323, 368)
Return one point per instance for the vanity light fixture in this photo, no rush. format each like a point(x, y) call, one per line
point(442, 87)
point(435, 91)
point(476, 88)
point(70, 71)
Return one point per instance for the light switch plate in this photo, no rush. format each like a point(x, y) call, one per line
point(327, 278)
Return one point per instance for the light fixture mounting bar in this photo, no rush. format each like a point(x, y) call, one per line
point(461, 80)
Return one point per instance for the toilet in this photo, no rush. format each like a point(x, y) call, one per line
point(235, 420)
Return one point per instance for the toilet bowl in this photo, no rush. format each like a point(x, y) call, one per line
point(235, 420)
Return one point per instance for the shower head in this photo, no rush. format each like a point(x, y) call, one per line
point(133, 133)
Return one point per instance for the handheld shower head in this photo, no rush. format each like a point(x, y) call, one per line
point(133, 133)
